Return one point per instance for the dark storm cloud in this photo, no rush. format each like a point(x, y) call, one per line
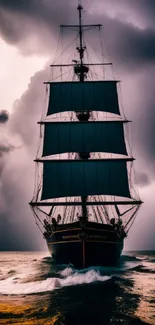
point(130, 46)
point(31, 24)
point(5, 145)
point(4, 116)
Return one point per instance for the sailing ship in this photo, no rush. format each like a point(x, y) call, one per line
point(84, 200)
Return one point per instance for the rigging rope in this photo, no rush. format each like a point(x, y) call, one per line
point(94, 210)
point(102, 52)
point(132, 219)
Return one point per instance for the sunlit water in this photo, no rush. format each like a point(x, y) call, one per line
point(34, 291)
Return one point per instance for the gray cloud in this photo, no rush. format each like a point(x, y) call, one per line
point(27, 110)
point(131, 47)
point(4, 116)
point(33, 25)
point(144, 116)
point(143, 10)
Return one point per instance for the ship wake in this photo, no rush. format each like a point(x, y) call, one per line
point(39, 280)
point(65, 278)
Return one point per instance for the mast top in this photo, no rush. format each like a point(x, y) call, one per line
point(80, 4)
point(82, 70)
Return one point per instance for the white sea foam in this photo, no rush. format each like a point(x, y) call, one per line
point(66, 272)
point(11, 286)
point(20, 272)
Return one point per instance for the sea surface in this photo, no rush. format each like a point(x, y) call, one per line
point(34, 291)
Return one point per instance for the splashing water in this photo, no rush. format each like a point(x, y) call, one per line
point(70, 278)
point(30, 276)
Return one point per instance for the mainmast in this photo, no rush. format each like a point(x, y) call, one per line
point(82, 116)
point(80, 69)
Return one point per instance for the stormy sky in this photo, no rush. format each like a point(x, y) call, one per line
point(31, 27)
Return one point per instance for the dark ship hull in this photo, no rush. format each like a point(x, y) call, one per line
point(95, 244)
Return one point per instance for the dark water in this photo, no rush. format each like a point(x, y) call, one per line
point(33, 291)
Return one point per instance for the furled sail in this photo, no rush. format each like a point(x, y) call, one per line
point(88, 95)
point(105, 136)
point(63, 178)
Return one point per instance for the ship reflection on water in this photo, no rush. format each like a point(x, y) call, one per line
point(60, 296)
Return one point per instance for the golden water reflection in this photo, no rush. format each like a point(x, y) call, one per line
point(144, 288)
point(32, 310)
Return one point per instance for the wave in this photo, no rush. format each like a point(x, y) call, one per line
point(151, 260)
point(42, 275)
point(64, 278)
point(128, 258)
point(68, 278)
point(143, 269)
point(6, 275)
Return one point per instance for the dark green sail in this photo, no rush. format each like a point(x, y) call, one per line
point(89, 95)
point(92, 136)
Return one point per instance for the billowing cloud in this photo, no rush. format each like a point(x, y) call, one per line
point(27, 110)
point(17, 169)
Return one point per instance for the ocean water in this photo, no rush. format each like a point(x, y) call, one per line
point(34, 291)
